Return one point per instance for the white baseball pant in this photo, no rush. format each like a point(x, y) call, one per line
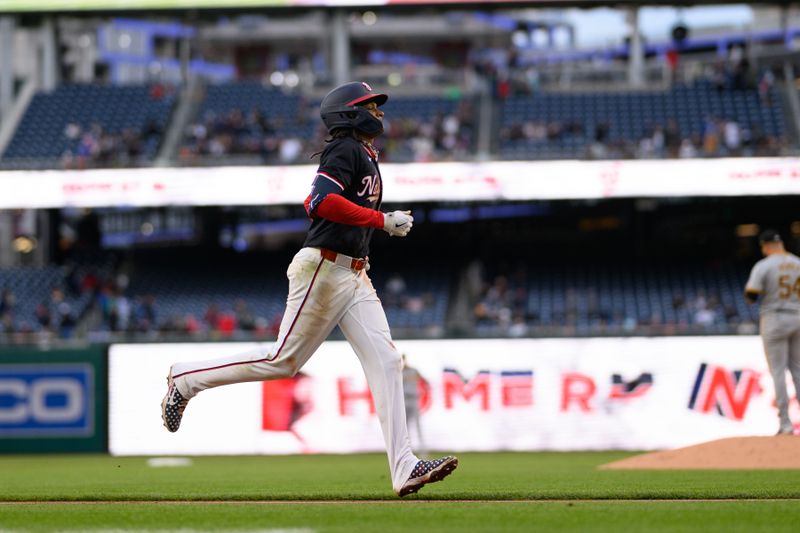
point(323, 294)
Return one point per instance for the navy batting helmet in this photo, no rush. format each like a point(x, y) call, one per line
point(342, 108)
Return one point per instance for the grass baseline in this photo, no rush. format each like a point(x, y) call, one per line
point(439, 516)
point(364, 478)
point(497, 492)
point(421, 501)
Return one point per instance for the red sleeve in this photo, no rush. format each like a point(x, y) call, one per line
point(337, 208)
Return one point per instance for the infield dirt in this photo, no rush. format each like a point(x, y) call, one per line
point(740, 453)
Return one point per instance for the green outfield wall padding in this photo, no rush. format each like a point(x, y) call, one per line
point(53, 401)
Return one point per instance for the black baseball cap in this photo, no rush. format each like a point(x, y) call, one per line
point(769, 235)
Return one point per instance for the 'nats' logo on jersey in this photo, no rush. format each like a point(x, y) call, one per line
point(372, 187)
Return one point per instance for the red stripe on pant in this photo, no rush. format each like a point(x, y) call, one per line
point(277, 353)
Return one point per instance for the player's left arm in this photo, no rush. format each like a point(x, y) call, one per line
point(754, 285)
point(326, 201)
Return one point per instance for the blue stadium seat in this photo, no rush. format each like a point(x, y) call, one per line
point(630, 115)
point(41, 133)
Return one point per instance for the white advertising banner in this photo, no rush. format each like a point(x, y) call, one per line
point(521, 394)
point(498, 180)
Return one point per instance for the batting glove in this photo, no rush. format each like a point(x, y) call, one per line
point(398, 223)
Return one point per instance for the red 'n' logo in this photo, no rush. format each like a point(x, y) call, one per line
point(724, 391)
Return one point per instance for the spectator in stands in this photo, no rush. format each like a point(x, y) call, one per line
point(226, 325)
point(519, 326)
point(657, 138)
point(43, 317)
point(705, 309)
point(646, 148)
point(244, 318)
point(145, 314)
point(157, 91)
point(416, 303)
point(86, 150)
point(497, 295)
point(152, 128)
point(61, 313)
point(122, 311)
point(672, 138)
point(88, 281)
point(97, 147)
point(191, 324)
point(689, 147)
point(290, 150)
point(678, 302)
point(704, 317)
point(268, 149)
point(503, 303)
point(237, 133)
point(732, 137)
point(211, 316)
point(72, 279)
point(422, 146)
point(731, 315)
point(7, 302)
point(740, 72)
point(502, 87)
point(105, 303)
point(716, 73)
point(765, 84)
point(7, 312)
point(598, 148)
point(444, 136)
point(394, 294)
point(711, 136)
point(7, 323)
point(672, 59)
point(72, 131)
point(481, 314)
point(258, 121)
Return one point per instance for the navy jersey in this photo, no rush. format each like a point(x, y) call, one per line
point(349, 168)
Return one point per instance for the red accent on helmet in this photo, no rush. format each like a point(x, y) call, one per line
point(378, 98)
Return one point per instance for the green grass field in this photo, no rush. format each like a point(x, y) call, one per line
point(488, 492)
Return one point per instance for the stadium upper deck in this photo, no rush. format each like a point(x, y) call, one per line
point(498, 84)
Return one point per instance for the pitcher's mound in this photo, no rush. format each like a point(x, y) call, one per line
point(740, 453)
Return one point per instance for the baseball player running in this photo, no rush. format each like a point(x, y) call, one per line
point(328, 285)
point(775, 280)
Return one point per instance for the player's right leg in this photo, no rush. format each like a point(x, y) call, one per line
point(794, 360)
point(776, 348)
point(313, 307)
point(365, 326)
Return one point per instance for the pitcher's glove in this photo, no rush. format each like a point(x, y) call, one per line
point(398, 223)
